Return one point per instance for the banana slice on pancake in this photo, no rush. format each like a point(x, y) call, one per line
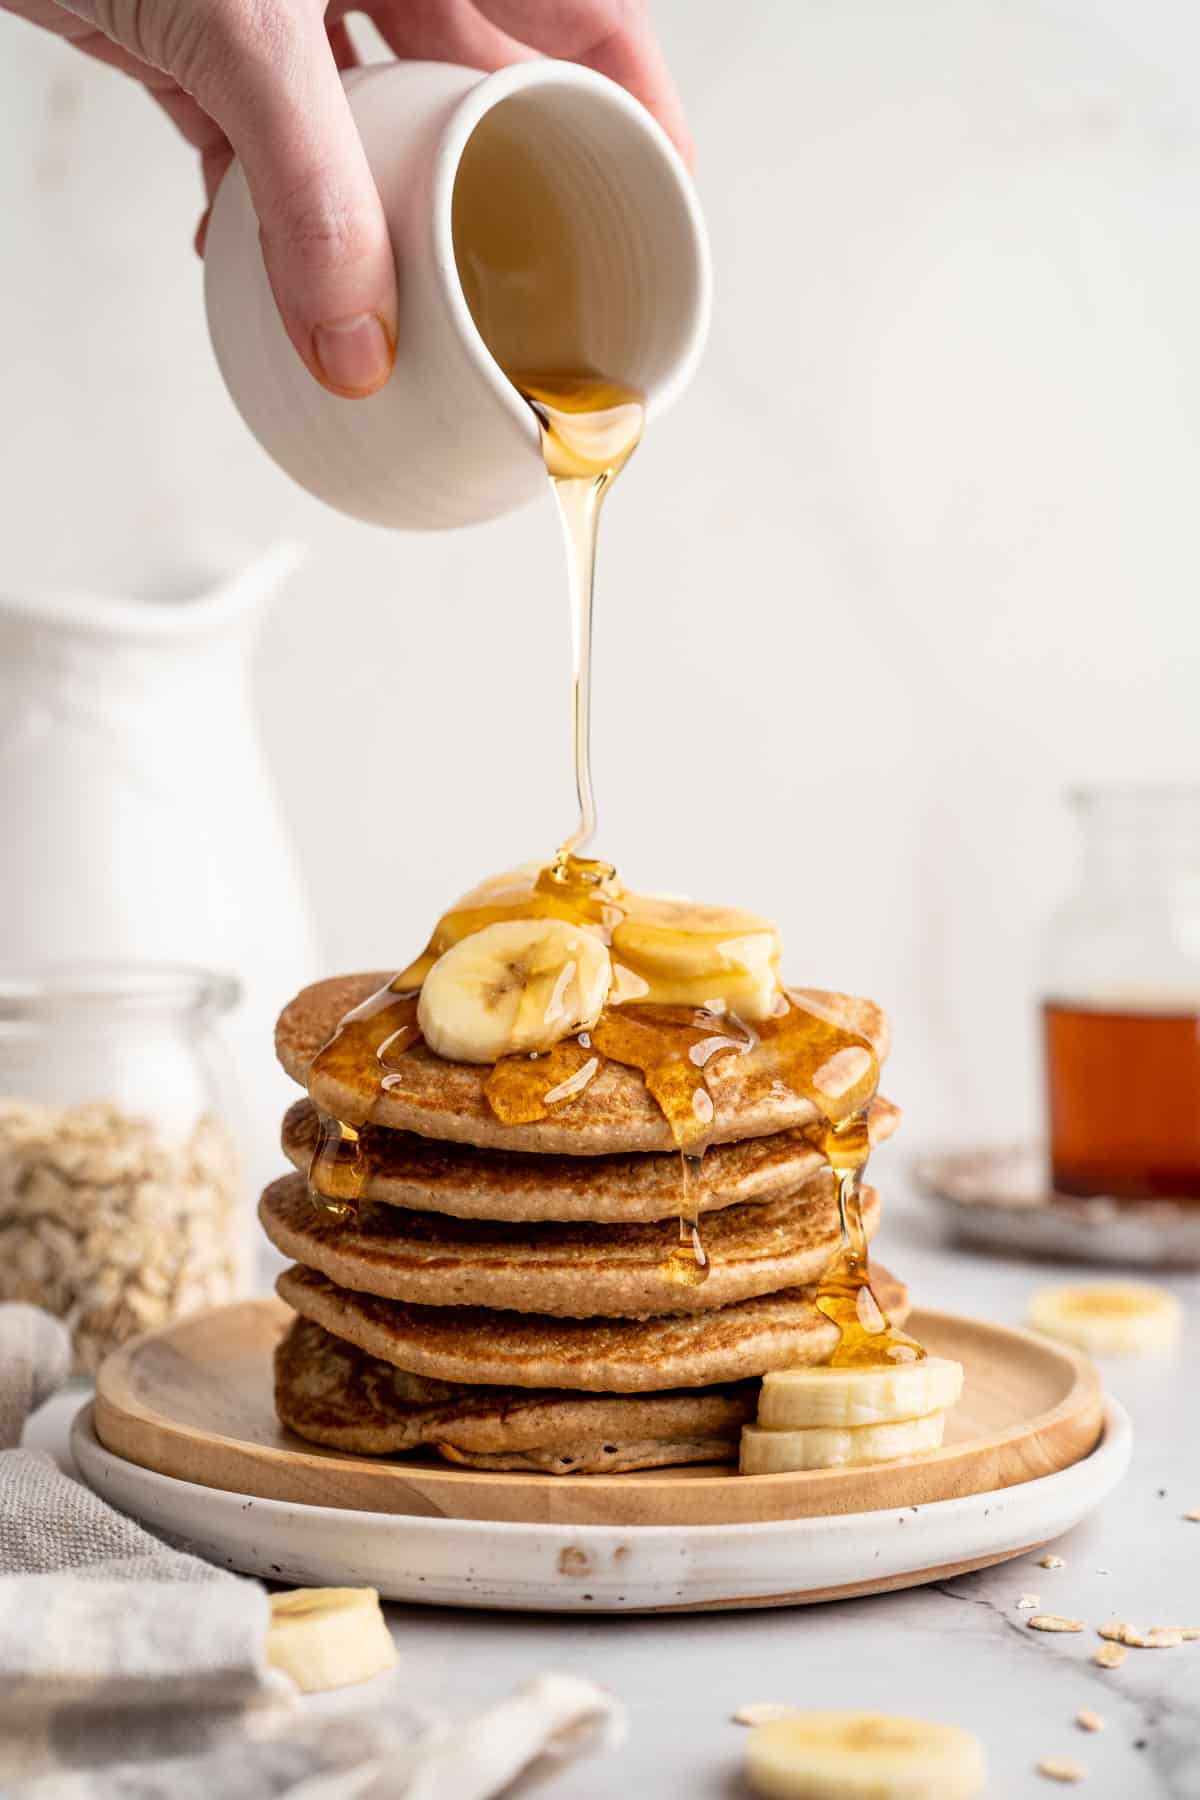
point(517, 986)
point(688, 953)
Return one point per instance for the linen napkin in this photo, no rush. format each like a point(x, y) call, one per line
point(133, 1671)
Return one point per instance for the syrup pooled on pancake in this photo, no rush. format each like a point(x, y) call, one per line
point(356, 1057)
point(674, 1048)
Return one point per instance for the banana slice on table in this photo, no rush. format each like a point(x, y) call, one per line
point(769, 1452)
point(688, 953)
point(328, 1637)
point(863, 1756)
point(516, 986)
point(1114, 1318)
point(792, 1399)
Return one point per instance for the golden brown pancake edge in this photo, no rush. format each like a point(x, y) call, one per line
point(332, 1393)
point(568, 1270)
point(465, 1182)
point(614, 1113)
point(510, 1349)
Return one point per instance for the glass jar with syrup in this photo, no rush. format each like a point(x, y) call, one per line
point(1121, 1011)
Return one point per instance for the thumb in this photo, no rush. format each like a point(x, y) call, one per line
point(280, 100)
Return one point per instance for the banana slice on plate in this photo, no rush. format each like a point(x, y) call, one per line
point(770, 1452)
point(516, 986)
point(328, 1637)
point(1113, 1318)
point(793, 1399)
point(688, 953)
point(862, 1756)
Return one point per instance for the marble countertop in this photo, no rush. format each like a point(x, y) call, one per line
point(958, 1651)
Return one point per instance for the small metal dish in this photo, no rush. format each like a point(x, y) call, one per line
point(1000, 1199)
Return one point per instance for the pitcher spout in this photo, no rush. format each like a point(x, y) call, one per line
point(197, 600)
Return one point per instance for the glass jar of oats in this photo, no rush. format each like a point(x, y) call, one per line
point(120, 1202)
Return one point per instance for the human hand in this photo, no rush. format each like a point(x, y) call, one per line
point(258, 79)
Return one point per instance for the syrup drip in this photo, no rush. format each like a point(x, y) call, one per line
point(839, 1072)
point(672, 1047)
point(688, 1260)
point(844, 1293)
point(348, 1077)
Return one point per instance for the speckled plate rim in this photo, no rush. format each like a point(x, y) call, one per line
point(607, 1568)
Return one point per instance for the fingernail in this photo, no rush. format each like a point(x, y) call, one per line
point(353, 354)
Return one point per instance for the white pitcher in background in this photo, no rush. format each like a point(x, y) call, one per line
point(138, 822)
point(448, 440)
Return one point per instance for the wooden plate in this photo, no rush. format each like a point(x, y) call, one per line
point(194, 1402)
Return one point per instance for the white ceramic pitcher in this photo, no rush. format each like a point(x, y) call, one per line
point(137, 817)
point(448, 440)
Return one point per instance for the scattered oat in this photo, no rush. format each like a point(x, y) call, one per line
point(1110, 1656)
point(761, 1712)
point(1163, 1637)
point(1194, 1515)
point(1087, 1720)
point(1028, 1603)
point(1059, 1768)
point(1051, 1562)
point(1187, 1634)
point(1053, 1622)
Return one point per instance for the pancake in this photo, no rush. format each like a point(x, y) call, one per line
point(533, 1350)
point(466, 1183)
point(334, 1394)
point(613, 1113)
point(570, 1271)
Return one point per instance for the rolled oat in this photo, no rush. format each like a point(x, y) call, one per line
point(110, 1223)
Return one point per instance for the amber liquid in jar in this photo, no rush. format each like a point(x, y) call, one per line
point(1123, 1092)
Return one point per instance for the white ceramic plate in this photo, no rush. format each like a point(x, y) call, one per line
point(606, 1568)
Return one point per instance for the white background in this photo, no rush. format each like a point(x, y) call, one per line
point(917, 551)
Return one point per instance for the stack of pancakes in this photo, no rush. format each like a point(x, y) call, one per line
point(513, 1295)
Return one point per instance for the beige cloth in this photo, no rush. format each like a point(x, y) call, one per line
point(132, 1671)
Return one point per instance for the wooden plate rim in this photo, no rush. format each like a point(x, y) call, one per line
point(124, 1423)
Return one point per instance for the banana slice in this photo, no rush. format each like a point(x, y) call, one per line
point(792, 1399)
point(518, 985)
point(863, 1756)
point(328, 1637)
point(767, 1452)
point(1116, 1318)
point(691, 954)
